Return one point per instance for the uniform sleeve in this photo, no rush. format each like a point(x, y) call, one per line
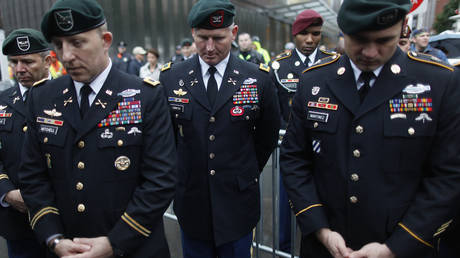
point(144, 213)
point(268, 125)
point(5, 184)
point(437, 199)
point(297, 168)
point(35, 184)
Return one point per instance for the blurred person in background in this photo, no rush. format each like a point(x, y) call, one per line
point(122, 59)
point(245, 51)
point(137, 62)
point(420, 39)
point(260, 49)
point(56, 68)
point(151, 69)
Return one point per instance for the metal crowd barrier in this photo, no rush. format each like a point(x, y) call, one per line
point(257, 244)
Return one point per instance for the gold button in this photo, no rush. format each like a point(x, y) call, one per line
point(24, 129)
point(81, 207)
point(81, 165)
point(247, 118)
point(354, 177)
point(353, 199)
point(411, 131)
point(212, 137)
point(120, 143)
point(315, 125)
point(79, 186)
point(359, 129)
point(212, 119)
point(356, 153)
point(45, 140)
point(212, 172)
point(177, 115)
point(81, 144)
point(212, 155)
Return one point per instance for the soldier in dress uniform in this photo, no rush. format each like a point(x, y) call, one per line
point(28, 53)
point(371, 158)
point(288, 66)
point(226, 122)
point(99, 168)
point(287, 69)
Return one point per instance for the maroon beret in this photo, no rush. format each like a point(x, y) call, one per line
point(305, 19)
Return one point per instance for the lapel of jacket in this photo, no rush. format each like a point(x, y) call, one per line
point(343, 85)
point(15, 101)
point(104, 103)
point(391, 81)
point(194, 83)
point(297, 69)
point(67, 103)
point(231, 82)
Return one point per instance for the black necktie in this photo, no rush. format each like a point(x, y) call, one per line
point(212, 86)
point(24, 96)
point(84, 103)
point(307, 62)
point(365, 77)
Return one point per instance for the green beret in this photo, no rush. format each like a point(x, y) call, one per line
point(211, 14)
point(24, 42)
point(70, 17)
point(361, 15)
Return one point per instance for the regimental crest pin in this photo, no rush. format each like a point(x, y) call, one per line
point(180, 92)
point(275, 65)
point(341, 71)
point(23, 43)
point(297, 63)
point(64, 19)
point(52, 113)
point(181, 82)
point(396, 69)
point(315, 90)
point(108, 92)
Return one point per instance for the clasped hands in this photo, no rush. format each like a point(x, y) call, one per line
point(336, 246)
point(98, 247)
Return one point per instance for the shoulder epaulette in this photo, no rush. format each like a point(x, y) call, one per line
point(264, 67)
point(153, 83)
point(331, 53)
point(283, 55)
point(429, 59)
point(40, 82)
point(166, 66)
point(323, 62)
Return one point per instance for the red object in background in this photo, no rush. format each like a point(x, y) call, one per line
point(415, 4)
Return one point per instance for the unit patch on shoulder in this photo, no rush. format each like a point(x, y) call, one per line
point(283, 55)
point(40, 82)
point(429, 59)
point(323, 62)
point(166, 66)
point(153, 83)
point(264, 67)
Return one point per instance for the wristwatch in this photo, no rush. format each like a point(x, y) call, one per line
point(53, 243)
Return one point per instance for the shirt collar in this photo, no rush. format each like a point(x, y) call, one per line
point(98, 82)
point(311, 57)
point(220, 67)
point(22, 89)
point(357, 72)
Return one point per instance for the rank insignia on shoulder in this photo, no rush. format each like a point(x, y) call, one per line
point(153, 83)
point(283, 55)
point(166, 66)
point(323, 62)
point(429, 59)
point(264, 67)
point(40, 82)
